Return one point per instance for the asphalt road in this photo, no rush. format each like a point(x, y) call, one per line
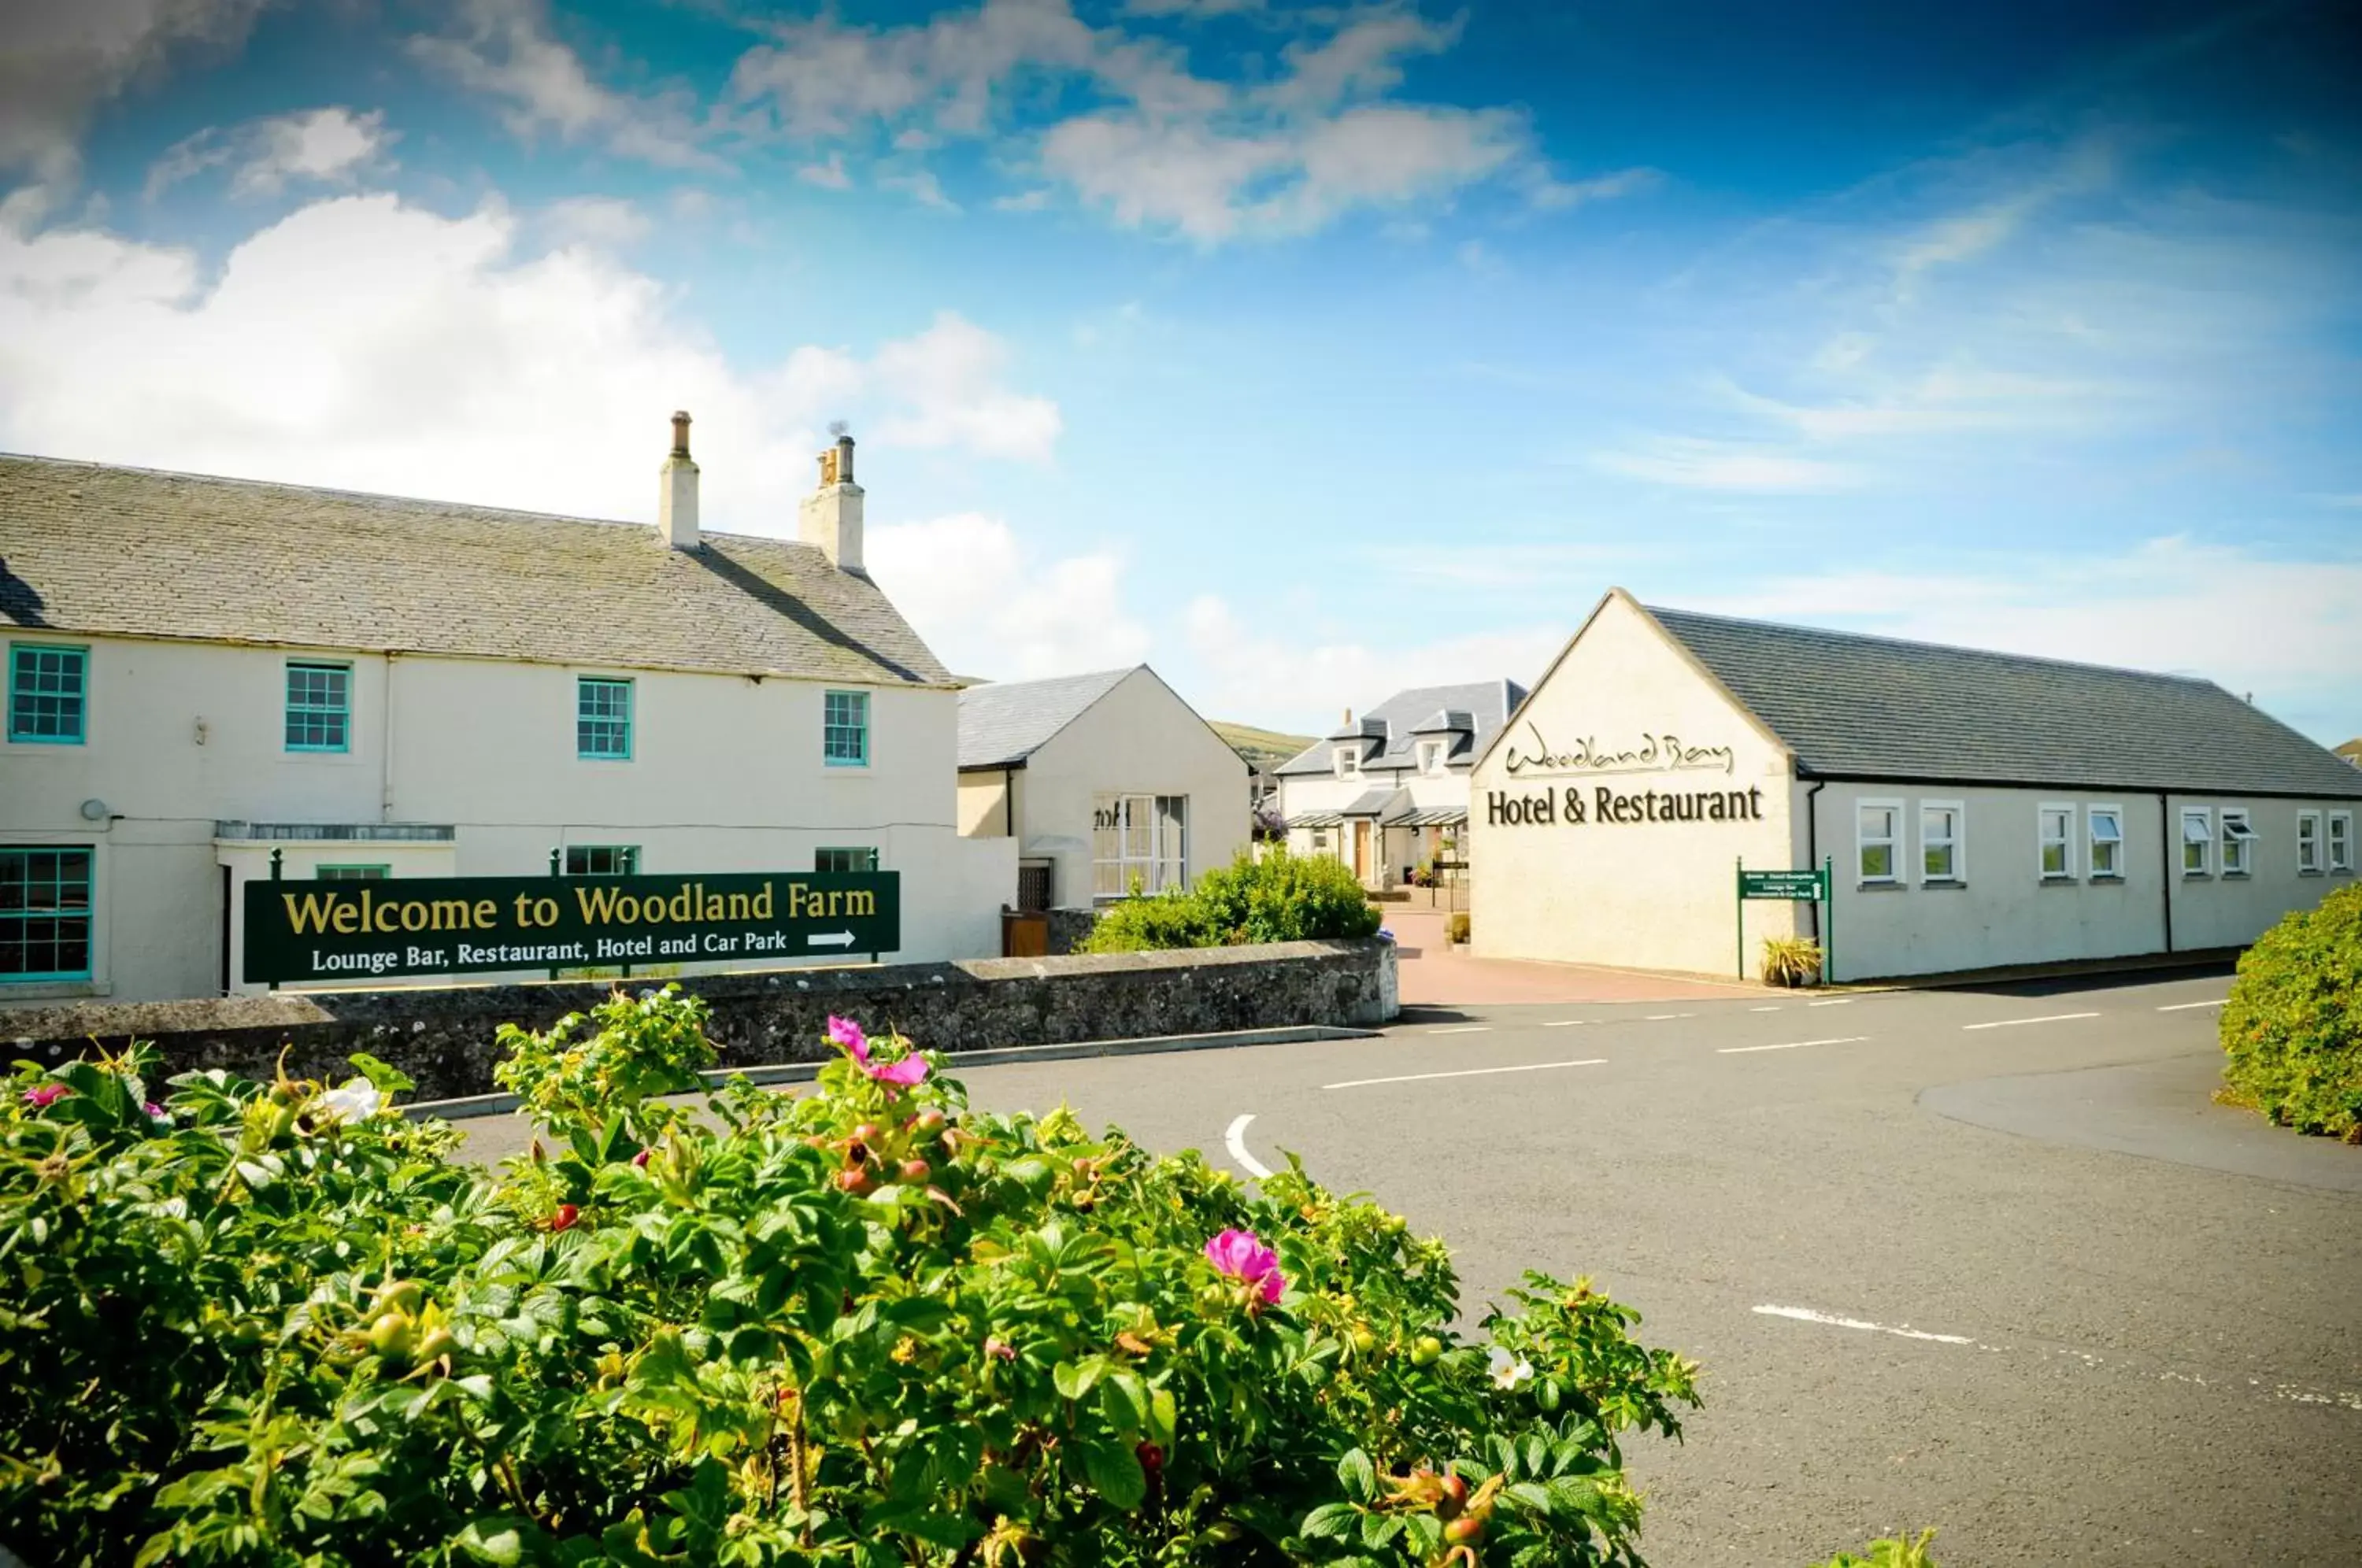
point(1986, 1259)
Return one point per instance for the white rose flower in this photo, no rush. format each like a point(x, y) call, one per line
point(1508, 1371)
point(355, 1099)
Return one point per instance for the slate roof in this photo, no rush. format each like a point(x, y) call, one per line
point(91, 548)
point(1005, 723)
point(1873, 707)
point(1473, 712)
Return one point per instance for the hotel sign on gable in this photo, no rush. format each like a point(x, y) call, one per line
point(1529, 755)
point(299, 932)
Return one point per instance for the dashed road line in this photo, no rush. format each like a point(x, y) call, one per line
point(2014, 1022)
point(1775, 1007)
point(1236, 1137)
point(2186, 1006)
point(1664, 1017)
point(1564, 1022)
point(1806, 1315)
point(1790, 1046)
point(1466, 1072)
point(1838, 1002)
point(1462, 1029)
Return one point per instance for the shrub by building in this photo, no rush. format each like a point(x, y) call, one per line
point(2292, 1029)
point(1281, 897)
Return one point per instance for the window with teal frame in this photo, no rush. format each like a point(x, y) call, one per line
point(844, 860)
point(844, 729)
point(44, 915)
point(319, 706)
point(603, 719)
point(48, 693)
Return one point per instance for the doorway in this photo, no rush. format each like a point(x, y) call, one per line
point(1362, 851)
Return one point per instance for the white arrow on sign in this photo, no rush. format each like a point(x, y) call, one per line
point(832, 939)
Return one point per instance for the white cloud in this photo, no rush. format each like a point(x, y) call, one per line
point(1252, 676)
point(63, 59)
point(1696, 463)
point(330, 146)
point(507, 50)
point(363, 343)
point(827, 176)
point(607, 221)
point(990, 610)
point(1148, 141)
point(2285, 630)
point(921, 186)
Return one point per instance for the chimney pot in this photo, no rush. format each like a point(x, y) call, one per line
point(677, 491)
point(831, 517)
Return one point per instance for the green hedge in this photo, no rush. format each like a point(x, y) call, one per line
point(2292, 1029)
point(864, 1326)
point(1281, 897)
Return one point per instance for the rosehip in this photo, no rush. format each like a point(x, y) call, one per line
point(869, 1133)
point(1364, 1341)
point(928, 1122)
point(565, 1218)
point(436, 1343)
point(400, 1296)
point(640, 1160)
point(853, 1179)
point(1152, 1458)
point(1464, 1530)
point(1426, 1350)
point(1454, 1499)
point(915, 1172)
point(391, 1335)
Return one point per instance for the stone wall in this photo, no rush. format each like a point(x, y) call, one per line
point(1070, 928)
point(443, 1037)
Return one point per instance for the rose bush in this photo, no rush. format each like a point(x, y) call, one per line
point(276, 1324)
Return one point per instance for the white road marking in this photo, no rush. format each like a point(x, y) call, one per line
point(1564, 1022)
point(1792, 1045)
point(2014, 1022)
point(1806, 1315)
point(1467, 1073)
point(1840, 1002)
point(1462, 1029)
point(1772, 1008)
point(1237, 1140)
point(1662, 1017)
point(2186, 1006)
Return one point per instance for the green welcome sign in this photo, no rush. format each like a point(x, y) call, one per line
point(298, 932)
point(1797, 886)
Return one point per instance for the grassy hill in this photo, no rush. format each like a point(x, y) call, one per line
point(1264, 748)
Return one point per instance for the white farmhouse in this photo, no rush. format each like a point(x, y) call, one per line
point(1977, 809)
point(204, 672)
point(1390, 790)
point(1104, 782)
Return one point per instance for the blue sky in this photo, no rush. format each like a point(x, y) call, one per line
point(1305, 352)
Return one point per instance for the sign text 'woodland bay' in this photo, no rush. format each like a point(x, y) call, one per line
point(309, 931)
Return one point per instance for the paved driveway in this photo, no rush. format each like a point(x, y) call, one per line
point(1433, 973)
point(1985, 1259)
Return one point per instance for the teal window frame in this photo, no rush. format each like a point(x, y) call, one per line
point(352, 873)
point(842, 859)
point(583, 859)
point(313, 712)
point(603, 713)
point(26, 697)
point(844, 729)
point(19, 914)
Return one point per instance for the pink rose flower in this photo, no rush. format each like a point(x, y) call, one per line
point(846, 1034)
point(1000, 1347)
point(46, 1094)
point(1242, 1256)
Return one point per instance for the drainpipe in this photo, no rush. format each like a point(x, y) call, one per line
point(1008, 803)
point(385, 745)
point(2166, 861)
point(1812, 858)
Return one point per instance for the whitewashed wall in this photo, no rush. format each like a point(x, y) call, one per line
point(726, 775)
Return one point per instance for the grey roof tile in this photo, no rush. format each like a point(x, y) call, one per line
point(1875, 707)
point(1003, 724)
point(135, 552)
point(1390, 729)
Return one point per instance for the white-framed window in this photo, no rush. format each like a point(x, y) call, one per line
point(2197, 841)
point(1877, 835)
point(1940, 832)
point(1139, 842)
point(2104, 832)
point(1349, 761)
point(2341, 843)
point(2054, 837)
point(2238, 842)
point(2308, 843)
point(1431, 757)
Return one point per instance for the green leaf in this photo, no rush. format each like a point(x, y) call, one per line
point(1359, 1476)
point(1114, 1473)
point(383, 1076)
point(1379, 1529)
point(1329, 1521)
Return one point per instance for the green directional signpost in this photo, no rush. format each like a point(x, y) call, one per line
point(361, 931)
point(1800, 886)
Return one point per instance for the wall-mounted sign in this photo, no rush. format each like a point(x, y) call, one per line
point(1549, 807)
point(455, 925)
point(1528, 753)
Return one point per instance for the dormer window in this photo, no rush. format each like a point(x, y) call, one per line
point(1349, 762)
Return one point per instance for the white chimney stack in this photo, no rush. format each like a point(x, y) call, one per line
point(831, 516)
point(677, 491)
